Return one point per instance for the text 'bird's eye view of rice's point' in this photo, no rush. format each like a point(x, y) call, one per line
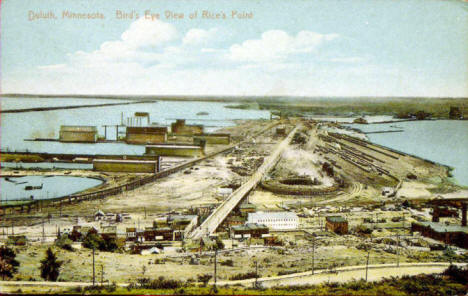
point(283, 147)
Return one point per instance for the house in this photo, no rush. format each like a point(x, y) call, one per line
point(275, 220)
point(99, 215)
point(157, 234)
point(109, 232)
point(182, 225)
point(249, 230)
point(131, 234)
point(337, 224)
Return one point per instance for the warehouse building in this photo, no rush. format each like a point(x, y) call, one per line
point(337, 224)
point(146, 135)
point(275, 220)
point(179, 127)
point(78, 133)
point(127, 166)
point(249, 230)
point(175, 150)
point(449, 234)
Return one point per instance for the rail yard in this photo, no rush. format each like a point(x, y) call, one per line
point(260, 200)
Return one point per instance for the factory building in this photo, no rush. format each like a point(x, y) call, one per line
point(78, 133)
point(213, 139)
point(249, 230)
point(146, 135)
point(449, 234)
point(275, 220)
point(337, 224)
point(175, 150)
point(179, 127)
point(128, 166)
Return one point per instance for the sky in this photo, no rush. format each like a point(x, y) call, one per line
point(274, 47)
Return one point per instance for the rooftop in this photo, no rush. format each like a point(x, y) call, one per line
point(78, 128)
point(336, 219)
point(272, 215)
point(442, 227)
point(124, 161)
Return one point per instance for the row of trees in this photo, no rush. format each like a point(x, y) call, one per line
point(50, 266)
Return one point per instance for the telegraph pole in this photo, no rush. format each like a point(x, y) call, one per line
point(256, 273)
point(102, 274)
point(43, 231)
point(216, 254)
point(94, 271)
point(313, 254)
point(367, 263)
point(398, 251)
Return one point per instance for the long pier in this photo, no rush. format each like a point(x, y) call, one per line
point(36, 109)
point(57, 202)
point(213, 221)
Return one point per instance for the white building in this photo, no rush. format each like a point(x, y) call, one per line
point(275, 220)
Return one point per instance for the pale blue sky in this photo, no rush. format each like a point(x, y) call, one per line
point(306, 48)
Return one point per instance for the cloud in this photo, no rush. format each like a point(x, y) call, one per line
point(145, 33)
point(199, 36)
point(277, 45)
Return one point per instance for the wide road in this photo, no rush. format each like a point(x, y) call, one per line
point(344, 274)
point(210, 225)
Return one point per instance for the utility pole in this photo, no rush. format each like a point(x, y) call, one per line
point(216, 254)
point(145, 212)
point(102, 274)
point(94, 271)
point(398, 251)
point(313, 254)
point(43, 231)
point(367, 263)
point(256, 273)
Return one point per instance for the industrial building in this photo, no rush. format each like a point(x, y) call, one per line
point(179, 127)
point(449, 234)
point(175, 150)
point(213, 139)
point(337, 224)
point(249, 230)
point(127, 166)
point(78, 133)
point(146, 135)
point(275, 220)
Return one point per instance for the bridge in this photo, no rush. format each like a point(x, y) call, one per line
point(213, 221)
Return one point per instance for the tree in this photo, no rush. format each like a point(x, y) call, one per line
point(50, 266)
point(204, 278)
point(8, 263)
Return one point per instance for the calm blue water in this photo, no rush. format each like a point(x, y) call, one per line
point(442, 141)
point(15, 127)
point(51, 186)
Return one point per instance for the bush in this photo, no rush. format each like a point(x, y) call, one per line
point(458, 274)
point(159, 283)
point(64, 242)
point(244, 276)
point(8, 263)
point(228, 262)
point(95, 241)
point(361, 229)
point(204, 278)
